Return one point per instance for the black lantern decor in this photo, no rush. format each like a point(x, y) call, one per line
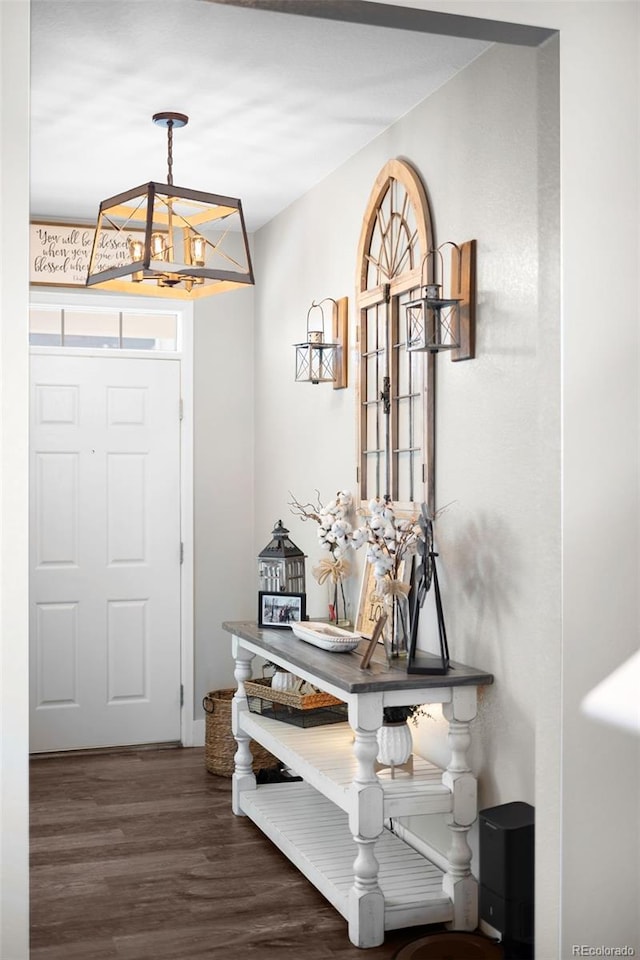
point(443, 317)
point(432, 321)
point(281, 566)
point(319, 360)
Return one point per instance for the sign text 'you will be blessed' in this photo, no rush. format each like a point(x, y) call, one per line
point(60, 252)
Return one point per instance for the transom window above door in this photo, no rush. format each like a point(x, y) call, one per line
point(102, 328)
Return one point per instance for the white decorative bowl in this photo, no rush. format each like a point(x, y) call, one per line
point(326, 636)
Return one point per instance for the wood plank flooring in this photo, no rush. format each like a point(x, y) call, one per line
point(137, 856)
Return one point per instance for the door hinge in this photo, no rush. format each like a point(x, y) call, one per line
point(181, 552)
point(181, 409)
point(182, 694)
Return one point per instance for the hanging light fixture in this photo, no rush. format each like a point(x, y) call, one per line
point(439, 321)
point(319, 360)
point(173, 241)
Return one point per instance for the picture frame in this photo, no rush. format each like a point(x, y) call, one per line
point(370, 605)
point(277, 611)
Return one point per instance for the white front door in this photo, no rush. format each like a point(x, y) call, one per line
point(105, 551)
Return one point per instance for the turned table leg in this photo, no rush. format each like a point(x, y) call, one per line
point(366, 901)
point(243, 776)
point(459, 883)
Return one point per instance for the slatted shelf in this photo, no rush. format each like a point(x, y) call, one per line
point(429, 835)
point(316, 837)
point(323, 756)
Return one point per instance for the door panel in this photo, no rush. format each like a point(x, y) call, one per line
point(105, 552)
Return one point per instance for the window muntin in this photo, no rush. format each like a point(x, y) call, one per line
point(103, 328)
point(392, 415)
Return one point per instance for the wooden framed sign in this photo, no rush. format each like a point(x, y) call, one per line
point(371, 604)
point(59, 253)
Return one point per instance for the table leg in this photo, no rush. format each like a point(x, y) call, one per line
point(366, 901)
point(243, 776)
point(459, 883)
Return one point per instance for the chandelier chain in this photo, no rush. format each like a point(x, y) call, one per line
point(170, 152)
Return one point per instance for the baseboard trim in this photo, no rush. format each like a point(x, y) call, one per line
point(198, 733)
point(101, 751)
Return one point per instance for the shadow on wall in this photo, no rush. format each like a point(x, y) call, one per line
point(483, 581)
point(485, 587)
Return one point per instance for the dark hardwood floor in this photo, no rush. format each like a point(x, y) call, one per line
point(137, 856)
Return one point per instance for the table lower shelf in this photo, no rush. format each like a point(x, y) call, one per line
point(315, 836)
point(325, 758)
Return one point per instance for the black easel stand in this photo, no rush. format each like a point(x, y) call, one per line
point(419, 661)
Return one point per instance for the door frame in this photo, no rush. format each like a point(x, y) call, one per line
point(184, 355)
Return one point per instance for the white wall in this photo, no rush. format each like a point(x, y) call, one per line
point(498, 416)
point(481, 177)
point(587, 791)
point(14, 432)
point(600, 766)
point(225, 565)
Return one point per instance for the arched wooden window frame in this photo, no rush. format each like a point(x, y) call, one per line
point(395, 238)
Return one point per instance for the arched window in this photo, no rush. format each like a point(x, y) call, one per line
point(396, 388)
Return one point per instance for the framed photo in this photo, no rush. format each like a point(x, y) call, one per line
point(370, 604)
point(280, 610)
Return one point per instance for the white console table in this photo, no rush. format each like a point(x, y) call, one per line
point(336, 825)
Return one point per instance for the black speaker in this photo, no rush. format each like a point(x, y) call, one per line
point(507, 874)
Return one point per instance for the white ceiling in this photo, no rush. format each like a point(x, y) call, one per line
point(276, 101)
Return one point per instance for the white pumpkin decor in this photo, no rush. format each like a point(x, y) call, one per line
point(395, 744)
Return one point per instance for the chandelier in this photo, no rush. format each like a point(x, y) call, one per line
point(162, 240)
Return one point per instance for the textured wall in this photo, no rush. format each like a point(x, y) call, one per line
point(224, 562)
point(494, 419)
point(14, 459)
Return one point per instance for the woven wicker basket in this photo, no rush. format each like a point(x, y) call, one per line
point(301, 701)
point(219, 743)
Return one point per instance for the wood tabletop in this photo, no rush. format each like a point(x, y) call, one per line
point(343, 669)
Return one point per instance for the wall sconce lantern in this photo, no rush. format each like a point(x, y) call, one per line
point(319, 360)
point(437, 322)
point(281, 564)
point(171, 240)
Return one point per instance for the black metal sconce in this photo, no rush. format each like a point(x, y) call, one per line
point(437, 322)
point(319, 360)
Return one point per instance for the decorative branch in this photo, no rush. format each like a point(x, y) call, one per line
point(306, 511)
